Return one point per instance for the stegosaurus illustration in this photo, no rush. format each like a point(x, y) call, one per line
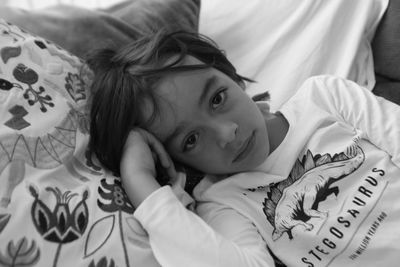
point(294, 201)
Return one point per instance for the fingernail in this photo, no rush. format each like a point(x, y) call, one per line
point(167, 164)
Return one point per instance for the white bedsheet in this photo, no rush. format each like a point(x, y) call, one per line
point(281, 43)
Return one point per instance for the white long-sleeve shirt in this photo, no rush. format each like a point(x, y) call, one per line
point(326, 196)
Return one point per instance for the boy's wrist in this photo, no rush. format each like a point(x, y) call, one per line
point(139, 185)
point(154, 205)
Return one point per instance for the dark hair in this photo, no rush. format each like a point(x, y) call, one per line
point(124, 78)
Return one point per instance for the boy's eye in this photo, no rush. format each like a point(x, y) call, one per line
point(218, 98)
point(190, 142)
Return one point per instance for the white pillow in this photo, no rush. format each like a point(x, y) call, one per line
point(281, 43)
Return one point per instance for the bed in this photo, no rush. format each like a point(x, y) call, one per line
point(58, 205)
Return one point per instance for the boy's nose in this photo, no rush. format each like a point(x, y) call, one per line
point(226, 133)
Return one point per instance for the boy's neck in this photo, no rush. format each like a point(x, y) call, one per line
point(278, 127)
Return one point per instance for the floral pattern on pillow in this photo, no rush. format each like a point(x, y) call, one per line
point(58, 206)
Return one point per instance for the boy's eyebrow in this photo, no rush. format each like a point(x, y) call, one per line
point(175, 133)
point(207, 87)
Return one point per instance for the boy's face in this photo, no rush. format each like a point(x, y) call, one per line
point(207, 121)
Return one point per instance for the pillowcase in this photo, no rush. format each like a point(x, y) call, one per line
point(58, 206)
point(150, 15)
point(80, 30)
point(75, 29)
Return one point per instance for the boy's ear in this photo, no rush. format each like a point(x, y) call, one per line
point(242, 84)
point(264, 107)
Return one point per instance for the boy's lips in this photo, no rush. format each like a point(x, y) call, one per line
point(245, 149)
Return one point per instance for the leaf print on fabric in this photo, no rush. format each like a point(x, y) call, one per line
point(9, 52)
point(4, 218)
point(40, 44)
point(140, 237)
point(10, 180)
point(6, 85)
point(82, 116)
point(20, 254)
point(116, 194)
point(90, 163)
point(75, 86)
point(72, 167)
point(78, 169)
point(28, 76)
point(98, 234)
point(119, 202)
point(136, 227)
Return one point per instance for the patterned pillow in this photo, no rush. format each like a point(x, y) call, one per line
point(58, 206)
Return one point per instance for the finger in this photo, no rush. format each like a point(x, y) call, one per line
point(162, 154)
point(159, 149)
point(155, 156)
point(172, 173)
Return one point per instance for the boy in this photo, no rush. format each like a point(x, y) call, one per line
point(312, 184)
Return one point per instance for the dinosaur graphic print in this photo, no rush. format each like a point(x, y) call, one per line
point(294, 201)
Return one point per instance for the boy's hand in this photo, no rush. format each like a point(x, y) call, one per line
point(138, 172)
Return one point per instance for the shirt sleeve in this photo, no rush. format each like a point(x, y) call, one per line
point(179, 237)
point(377, 118)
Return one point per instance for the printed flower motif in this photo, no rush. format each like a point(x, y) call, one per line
point(117, 196)
point(40, 44)
point(90, 162)
point(5, 85)
point(25, 75)
point(20, 254)
point(28, 76)
point(81, 115)
point(33, 97)
point(118, 202)
point(75, 86)
point(4, 218)
point(60, 225)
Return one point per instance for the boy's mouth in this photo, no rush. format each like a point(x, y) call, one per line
point(245, 149)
